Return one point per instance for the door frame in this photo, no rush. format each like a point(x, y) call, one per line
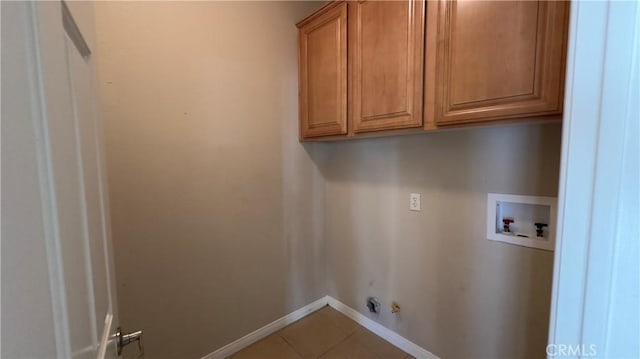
point(598, 195)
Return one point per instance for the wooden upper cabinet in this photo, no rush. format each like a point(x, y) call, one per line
point(499, 59)
point(410, 65)
point(386, 64)
point(323, 72)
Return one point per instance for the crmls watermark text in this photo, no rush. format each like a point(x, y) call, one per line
point(568, 350)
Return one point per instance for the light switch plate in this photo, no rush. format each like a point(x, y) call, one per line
point(414, 202)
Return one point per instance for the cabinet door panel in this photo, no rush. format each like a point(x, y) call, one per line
point(323, 72)
point(386, 63)
point(499, 59)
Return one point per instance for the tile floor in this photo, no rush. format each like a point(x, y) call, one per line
point(324, 334)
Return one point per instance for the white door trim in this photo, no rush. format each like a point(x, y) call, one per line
point(601, 109)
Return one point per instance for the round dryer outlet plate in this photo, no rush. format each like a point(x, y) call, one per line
point(373, 304)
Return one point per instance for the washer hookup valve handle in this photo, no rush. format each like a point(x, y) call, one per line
point(540, 228)
point(505, 224)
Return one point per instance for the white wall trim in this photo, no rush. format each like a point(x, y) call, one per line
point(377, 328)
point(268, 329)
point(381, 331)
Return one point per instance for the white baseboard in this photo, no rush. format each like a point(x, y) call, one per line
point(377, 328)
point(268, 329)
point(380, 330)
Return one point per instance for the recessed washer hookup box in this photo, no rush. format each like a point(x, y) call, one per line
point(528, 221)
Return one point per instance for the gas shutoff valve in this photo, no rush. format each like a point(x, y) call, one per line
point(395, 308)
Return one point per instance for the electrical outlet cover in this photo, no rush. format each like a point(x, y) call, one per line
point(414, 202)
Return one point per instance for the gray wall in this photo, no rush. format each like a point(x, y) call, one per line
point(460, 294)
point(216, 208)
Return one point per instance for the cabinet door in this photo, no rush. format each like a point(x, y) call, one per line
point(386, 57)
point(323, 72)
point(499, 59)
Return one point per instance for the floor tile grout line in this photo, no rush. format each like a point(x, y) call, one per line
point(336, 344)
point(289, 344)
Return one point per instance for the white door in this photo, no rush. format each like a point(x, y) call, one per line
point(52, 69)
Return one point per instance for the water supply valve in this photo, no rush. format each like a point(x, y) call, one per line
point(540, 228)
point(505, 224)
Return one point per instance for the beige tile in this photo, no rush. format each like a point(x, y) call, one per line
point(351, 347)
point(339, 319)
point(317, 333)
point(272, 346)
point(326, 333)
point(381, 347)
point(364, 344)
